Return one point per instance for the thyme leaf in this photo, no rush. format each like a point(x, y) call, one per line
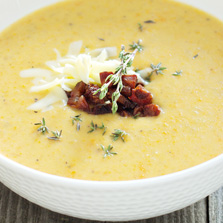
point(137, 46)
point(140, 26)
point(118, 134)
point(103, 127)
point(77, 119)
point(157, 69)
point(43, 128)
point(194, 57)
point(94, 127)
point(101, 39)
point(149, 21)
point(178, 73)
point(78, 126)
point(57, 135)
point(108, 151)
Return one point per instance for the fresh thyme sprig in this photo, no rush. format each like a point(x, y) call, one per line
point(108, 151)
point(94, 127)
point(57, 135)
point(118, 134)
point(103, 127)
point(178, 73)
point(137, 45)
point(140, 26)
point(157, 69)
point(43, 128)
point(77, 119)
point(116, 78)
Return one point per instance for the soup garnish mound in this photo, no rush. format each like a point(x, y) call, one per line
point(121, 91)
point(94, 113)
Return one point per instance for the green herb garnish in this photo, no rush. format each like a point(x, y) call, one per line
point(103, 127)
point(194, 57)
point(101, 39)
point(77, 119)
point(57, 135)
point(116, 78)
point(178, 73)
point(140, 26)
point(43, 129)
point(108, 151)
point(94, 127)
point(137, 46)
point(157, 69)
point(118, 134)
point(149, 21)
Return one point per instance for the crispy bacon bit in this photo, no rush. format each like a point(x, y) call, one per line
point(110, 92)
point(125, 102)
point(76, 93)
point(126, 91)
point(90, 96)
point(138, 111)
point(103, 76)
point(151, 110)
point(124, 113)
point(78, 90)
point(101, 109)
point(81, 104)
point(134, 99)
point(141, 96)
point(129, 80)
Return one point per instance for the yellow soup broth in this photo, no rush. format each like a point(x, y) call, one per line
point(189, 129)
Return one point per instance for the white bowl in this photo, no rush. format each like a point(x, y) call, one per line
point(109, 201)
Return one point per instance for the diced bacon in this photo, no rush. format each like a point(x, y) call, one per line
point(78, 90)
point(141, 96)
point(90, 95)
point(126, 91)
point(129, 80)
point(138, 110)
point(110, 92)
point(103, 76)
point(125, 113)
point(125, 102)
point(134, 100)
point(103, 109)
point(151, 110)
point(81, 104)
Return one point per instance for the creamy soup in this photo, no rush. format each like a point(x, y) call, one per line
point(189, 129)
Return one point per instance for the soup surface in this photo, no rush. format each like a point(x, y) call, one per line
point(189, 129)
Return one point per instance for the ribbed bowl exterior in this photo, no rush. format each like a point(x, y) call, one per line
point(113, 201)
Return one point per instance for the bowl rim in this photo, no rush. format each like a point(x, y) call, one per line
point(60, 180)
